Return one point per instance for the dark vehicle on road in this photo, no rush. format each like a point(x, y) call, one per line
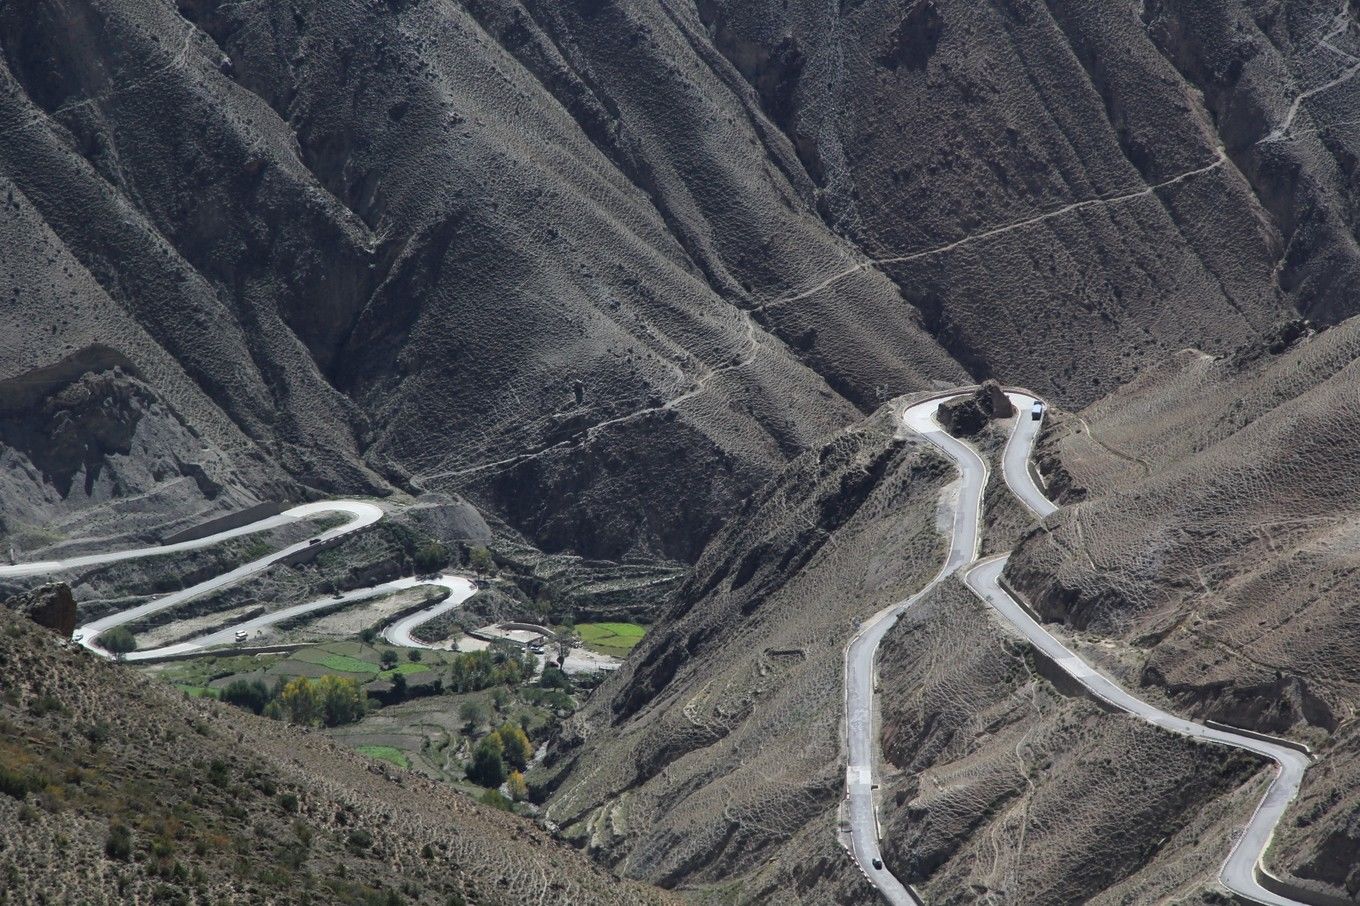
point(878, 863)
point(315, 541)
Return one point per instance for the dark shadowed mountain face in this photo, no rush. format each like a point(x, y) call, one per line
point(629, 275)
point(542, 253)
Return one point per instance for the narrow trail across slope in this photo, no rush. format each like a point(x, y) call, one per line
point(1220, 158)
point(1243, 872)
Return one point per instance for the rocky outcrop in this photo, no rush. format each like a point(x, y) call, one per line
point(51, 606)
point(966, 416)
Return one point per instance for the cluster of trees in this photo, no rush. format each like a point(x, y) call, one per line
point(500, 757)
point(498, 665)
point(329, 701)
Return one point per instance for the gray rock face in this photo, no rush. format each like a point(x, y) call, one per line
point(51, 606)
point(968, 415)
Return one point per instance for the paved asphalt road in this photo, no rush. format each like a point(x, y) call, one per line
point(361, 514)
point(460, 590)
point(861, 738)
point(1239, 871)
point(399, 633)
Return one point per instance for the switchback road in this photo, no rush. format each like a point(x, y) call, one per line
point(1243, 867)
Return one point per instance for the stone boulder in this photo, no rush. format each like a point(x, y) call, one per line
point(52, 606)
point(967, 415)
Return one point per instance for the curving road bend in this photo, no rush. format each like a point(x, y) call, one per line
point(361, 514)
point(459, 589)
point(861, 740)
point(1243, 865)
point(399, 633)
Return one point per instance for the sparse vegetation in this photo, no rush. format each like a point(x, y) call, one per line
point(118, 843)
point(148, 797)
point(118, 641)
point(481, 560)
point(431, 557)
point(252, 695)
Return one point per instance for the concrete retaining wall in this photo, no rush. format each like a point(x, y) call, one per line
point(1304, 891)
point(230, 521)
point(1263, 737)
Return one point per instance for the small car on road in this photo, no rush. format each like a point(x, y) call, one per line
point(878, 864)
point(241, 635)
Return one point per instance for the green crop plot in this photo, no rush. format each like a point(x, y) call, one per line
point(386, 753)
point(405, 668)
point(611, 638)
point(338, 663)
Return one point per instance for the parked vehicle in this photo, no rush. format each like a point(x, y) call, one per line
point(77, 637)
point(241, 635)
point(1036, 411)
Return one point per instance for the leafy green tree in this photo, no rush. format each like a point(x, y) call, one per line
point(399, 685)
point(118, 641)
point(118, 844)
point(488, 764)
point(554, 678)
point(414, 655)
point(388, 659)
point(301, 703)
point(340, 699)
point(431, 557)
point(480, 559)
point(494, 799)
point(516, 785)
point(252, 695)
point(515, 743)
point(472, 714)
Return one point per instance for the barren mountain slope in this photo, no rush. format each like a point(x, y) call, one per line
point(712, 758)
point(378, 241)
point(1048, 181)
point(1218, 541)
point(223, 806)
point(543, 252)
point(102, 430)
point(1001, 787)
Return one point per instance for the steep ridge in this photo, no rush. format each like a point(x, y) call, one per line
point(1212, 534)
point(216, 803)
point(693, 768)
point(387, 239)
point(1106, 181)
point(348, 233)
point(1055, 873)
point(712, 759)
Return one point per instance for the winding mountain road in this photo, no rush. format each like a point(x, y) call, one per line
point(1241, 871)
point(361, 515)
